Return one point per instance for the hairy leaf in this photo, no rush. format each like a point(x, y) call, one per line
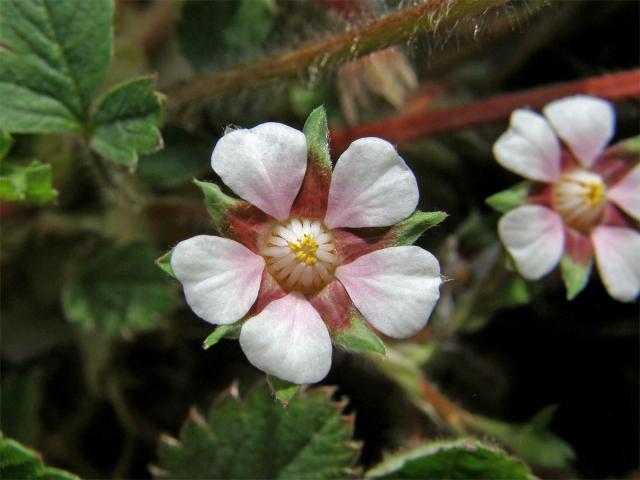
point(258, 438)
point(20, 462)
point(30, 184)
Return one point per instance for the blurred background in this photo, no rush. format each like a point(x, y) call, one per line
point(92, 374)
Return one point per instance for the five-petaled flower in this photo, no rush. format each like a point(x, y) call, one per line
point(301, 256)
point(584, 198)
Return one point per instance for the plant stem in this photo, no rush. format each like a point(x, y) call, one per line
point(415, 125)
point(427, 16)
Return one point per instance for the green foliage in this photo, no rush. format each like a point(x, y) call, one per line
point(184, 157)
point(459, 459)
point(56, 58)
point(316, 132)
point(20, 400)
point(359, 338)
point(116, 290)
point(18, 462)
point(222, 331)
point(409, 230)
point(281, 389)
point(30, 184)
point(510, 198)
point(258, 438)
point(575, 275)
point(217, 202)
point(5, 143)
point(532, 440)
point(126, 121)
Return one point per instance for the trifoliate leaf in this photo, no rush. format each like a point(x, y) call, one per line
point(54, 57)
point(257, 438)
point(125, 122)
point(222, 331)
point(575, 275)
point(510, 198)
point(184, 157)
point(316, 131)
point(164, 263)
point(30, 184)
point(408, 231)
point(18, 462)
point(217, 202)
point(359, 338)
point(117, 289)
point(459, 459)
point(282, 390)
point(5, 143)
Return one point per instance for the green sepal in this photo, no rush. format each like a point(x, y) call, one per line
point(217, 203)
point(630, 145)
point(316, 131)
point(223, 331)
point(510, 198)
point(164, 263)
point(359, 338)
point(409, 230)
point(5, 143)
point(18, 461)
point(282, 390)
point(30, 184)
point(575, 275)
point(457, 459)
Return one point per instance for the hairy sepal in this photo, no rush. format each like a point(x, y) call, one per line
point(282, 390)
point(357, 337)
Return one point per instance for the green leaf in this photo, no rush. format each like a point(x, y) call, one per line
point(532, 440)
point(31, 184)
point(575, 275)
point(257, 438)
point(117, 290)
point(5, 143)
point(20, 462)
point(408, 231)
point(316, 132)
point(126, 120)
point(250, 26)
point(54, 58)
point(509, 199)
point(20, 401)
point(458, 459)
point(184, 157)
point(217, 203)
point(164, 263)
point(281, 389)
point(359, 338)
point(222, 331)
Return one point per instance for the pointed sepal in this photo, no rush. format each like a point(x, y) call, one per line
point(359, 338)
point(408, 231)
point(164, 263)
point(218, 203)
point(282, 390)
point(510, 198)
point(231, 331)
point(316, 131)
point(575, 275)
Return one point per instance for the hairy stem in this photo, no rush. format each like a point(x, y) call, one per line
point(427, 16)
point(415, 125)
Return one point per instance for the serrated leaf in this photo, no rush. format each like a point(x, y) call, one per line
point(20, 462)
point(575, 275)
point(257, 438)
point(126, 120)
point(54, 58)
point(459, 459)
point(184, 157)
point(30, 184)
point(164, 263)
point(510, 198)
point(359, 338)
point(222, 331)
point(316, 131)
point(281, 389)
point(117, 289)
point(409, 230)
point(217, 202)
point(5, 143)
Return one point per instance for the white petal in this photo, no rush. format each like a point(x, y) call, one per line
point(618, 258)
point(529, 147)
point(395, 288)
point(220, 277)
point(288, 339)
point(586, 124)
point(371, 187)
point(626, 193)
point(534, 236)
point(264, 165)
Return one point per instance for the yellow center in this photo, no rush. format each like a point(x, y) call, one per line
point(579, 197)
point(305, 250)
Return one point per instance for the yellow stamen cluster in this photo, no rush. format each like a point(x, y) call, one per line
point(579, 197)
point(593, 193)
point(305, 250)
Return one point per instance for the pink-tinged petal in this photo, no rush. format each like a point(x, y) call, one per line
point(395, 289)
point(534, 236)
point(264, 165)
point(618, 260)
point(289, 340)
point(529, 147)
point(586, 124)
point(220, 277)
point(626, 193)
point(334, 306)
point(371, 187)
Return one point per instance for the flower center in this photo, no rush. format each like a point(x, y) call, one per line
point(580, 197)
point(301, 254)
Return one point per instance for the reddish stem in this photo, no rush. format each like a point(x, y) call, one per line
point(415, 125)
